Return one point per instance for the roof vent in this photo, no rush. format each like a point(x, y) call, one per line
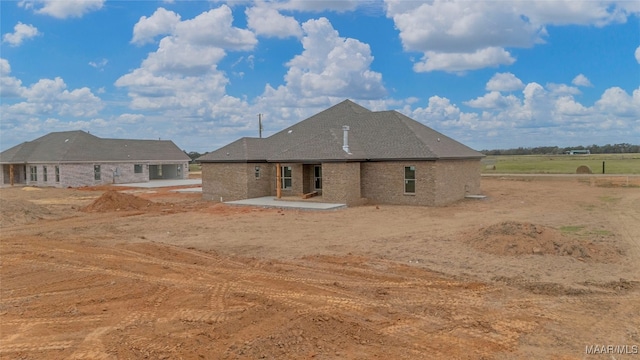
point(345, 139)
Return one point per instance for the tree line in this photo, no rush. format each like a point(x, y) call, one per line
point(623, 148)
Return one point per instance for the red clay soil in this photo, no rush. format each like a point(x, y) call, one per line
point(521, 238)
point(171, 276)
point(116, 201)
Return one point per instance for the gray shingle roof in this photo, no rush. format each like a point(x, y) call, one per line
point(379, 135)
point(244, 149)
point(79, 146)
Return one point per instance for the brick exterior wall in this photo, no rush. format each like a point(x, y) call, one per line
point(353, 183)
point(236, 181)
point(224, 181)
point(455, 179)
point(437, 182)
point(77, 175)
point(383, 183)
point(341, 183)
point(263, 185)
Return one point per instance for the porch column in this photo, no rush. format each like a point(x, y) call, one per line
point(278, 180)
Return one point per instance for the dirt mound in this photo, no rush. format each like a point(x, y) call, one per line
point(517, 238)
point(116, 201)
point(18, 212)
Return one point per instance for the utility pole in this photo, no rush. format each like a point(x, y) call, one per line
point(260, 124)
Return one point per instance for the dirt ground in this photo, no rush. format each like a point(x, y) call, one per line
point(540, 268)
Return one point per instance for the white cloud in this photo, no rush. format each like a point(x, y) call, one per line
point(581, 80)
point(9, 85)
point(21, 32)
point(462, 35)
point(63, 9)
point(617, 102)
point(214, 28)
point(329, 69)
point(461, 26)
point(269, 22)
point(562, 89)
point(637, 54)
point(567, 106)
point(181, 78)
point(318, 6)
point(570, 12)
point(460, 62)
point(439, 109)
point(504, 82)
point(162, 22)
point(211, 28)
point(35, 108)
point(49, 96)
point(181, 57)
point(493, 100)
point(537, 116)
point(130, 118)
point(99, 64)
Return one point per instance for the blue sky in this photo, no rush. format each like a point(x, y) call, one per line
point(491, 74)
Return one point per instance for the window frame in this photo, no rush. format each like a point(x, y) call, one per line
point(97, 172)
point(138, 169)
point(57, 173)
point(317, 177)
point(256, 172)
point(409, 180)
point(283, 178)
point(44, 174)
point(33, 173)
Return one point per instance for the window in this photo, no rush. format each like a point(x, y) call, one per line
point(409, 179)
point(33, 172)
point(44, 173)
point(317, 177)
point(57, 169)
point(137, 168)
point(285, 171)
point(257, 172)
point(96, 172)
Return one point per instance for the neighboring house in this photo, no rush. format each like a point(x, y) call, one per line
point(77, 158)
point(346, 154)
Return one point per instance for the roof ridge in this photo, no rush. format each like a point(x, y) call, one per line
point(76, 134)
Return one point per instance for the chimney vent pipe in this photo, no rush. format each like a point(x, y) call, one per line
point(345, 139)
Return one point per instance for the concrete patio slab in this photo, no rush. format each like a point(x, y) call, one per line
point(164, 183)
point(272, 202)
point(188, 190)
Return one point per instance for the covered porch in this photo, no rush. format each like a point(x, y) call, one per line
point(332, 182)
point(14, 174)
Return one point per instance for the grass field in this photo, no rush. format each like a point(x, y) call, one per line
point(561, 164)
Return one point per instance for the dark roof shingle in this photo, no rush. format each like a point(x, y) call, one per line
point(79, 146)
point(373, 135)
